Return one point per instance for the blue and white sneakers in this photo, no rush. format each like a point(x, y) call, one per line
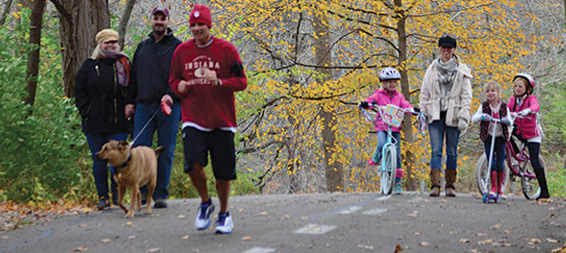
point(224, 223)
point(203, 219)
point(398, 188)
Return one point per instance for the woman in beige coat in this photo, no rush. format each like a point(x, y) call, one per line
point(446, 98)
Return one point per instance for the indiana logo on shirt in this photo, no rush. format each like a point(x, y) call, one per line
point(199, 67)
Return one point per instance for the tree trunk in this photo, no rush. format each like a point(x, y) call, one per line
point(410, 159)
point(79, 22)
point(124, 21)
point(334, 170)
point(6, 11)
point(36, 22)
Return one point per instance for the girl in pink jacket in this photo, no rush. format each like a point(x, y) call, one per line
point(526, 125)
point(389, 78)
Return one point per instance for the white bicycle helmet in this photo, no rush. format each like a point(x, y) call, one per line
point(389, 73)
point(527, 77)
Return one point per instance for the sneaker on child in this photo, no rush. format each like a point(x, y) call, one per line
point(398, 188)
point(371, 162)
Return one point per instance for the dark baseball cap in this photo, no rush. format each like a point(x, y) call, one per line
point(160, 9)
point(447, 41)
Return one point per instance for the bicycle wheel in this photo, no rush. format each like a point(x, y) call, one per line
point(388, 169)
point(481, 170)
point(529, 185)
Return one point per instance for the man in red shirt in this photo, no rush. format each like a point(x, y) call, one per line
point(205, 73)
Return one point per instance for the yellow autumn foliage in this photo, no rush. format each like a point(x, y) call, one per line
point(279, 113)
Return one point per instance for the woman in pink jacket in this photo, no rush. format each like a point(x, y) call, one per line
point(526, 105)
point(389, 78)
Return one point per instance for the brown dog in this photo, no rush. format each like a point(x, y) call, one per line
point(134, 167)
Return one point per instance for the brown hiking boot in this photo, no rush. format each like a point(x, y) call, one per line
point(435, 179)
point(450, 179)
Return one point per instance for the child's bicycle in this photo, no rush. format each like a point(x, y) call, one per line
point(517, 166)
point(392, 116)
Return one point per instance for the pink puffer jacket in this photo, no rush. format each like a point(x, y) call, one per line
point(527, 127)
point(383, 98)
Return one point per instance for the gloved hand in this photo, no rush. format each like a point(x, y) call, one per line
point(505, 121)
point(462, 125)
point(363, 104)
point(486, 117)
point(525, 112)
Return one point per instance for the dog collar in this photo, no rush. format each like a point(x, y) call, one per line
point(124, 164)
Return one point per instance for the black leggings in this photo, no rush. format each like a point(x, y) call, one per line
point(534, 150)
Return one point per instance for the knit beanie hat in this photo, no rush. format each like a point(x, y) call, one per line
point(200, 14)
point(106, 35)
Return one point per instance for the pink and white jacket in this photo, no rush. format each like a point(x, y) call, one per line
point(383, 98)
point(526, 127)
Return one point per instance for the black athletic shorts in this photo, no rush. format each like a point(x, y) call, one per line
point(219, 143)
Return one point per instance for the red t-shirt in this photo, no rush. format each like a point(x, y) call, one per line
point(204, 105)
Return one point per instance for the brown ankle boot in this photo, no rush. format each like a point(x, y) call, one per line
point(450, 179)
point(435, 179)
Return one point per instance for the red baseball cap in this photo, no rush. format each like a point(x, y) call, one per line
point(160, 9)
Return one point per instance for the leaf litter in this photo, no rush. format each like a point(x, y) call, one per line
point(14, 215)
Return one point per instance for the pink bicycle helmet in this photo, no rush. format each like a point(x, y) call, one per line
point(389, 73)
point(527, 77)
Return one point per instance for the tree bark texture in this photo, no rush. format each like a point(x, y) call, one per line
point(6, 11)
point(407, 128)
point(124, 21)
point(36, 22)
point(79, 22)
point(334, 170)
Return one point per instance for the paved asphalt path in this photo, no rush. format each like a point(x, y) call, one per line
point(339, 222)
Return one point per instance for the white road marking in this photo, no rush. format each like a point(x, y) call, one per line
point(375, 211)
point(314, 229)
point(351, 209)
point(259, 250)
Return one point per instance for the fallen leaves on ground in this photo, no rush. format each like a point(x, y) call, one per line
point(498, 226)
point(14, 215)
point(368, 247)
point(560, 250)
point(398, 248)
point(81, 248)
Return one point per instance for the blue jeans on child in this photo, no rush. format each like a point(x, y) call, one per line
point(381, 139)
point(437, 130)
point(498, 163)
point(100, 168)
point(167, 128)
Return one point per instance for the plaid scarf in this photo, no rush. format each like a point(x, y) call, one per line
point(122, 66)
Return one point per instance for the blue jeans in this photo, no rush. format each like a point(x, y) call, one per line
point(100, 168)
point(437, 130)
point(378, 152)
point(498, 163)
point(167, 128)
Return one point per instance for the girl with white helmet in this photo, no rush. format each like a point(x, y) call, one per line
point(526, 105)
point(388, 94)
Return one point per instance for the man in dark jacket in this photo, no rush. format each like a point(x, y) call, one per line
point(148, 88)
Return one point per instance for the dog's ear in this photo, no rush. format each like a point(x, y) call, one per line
point(123, 144)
